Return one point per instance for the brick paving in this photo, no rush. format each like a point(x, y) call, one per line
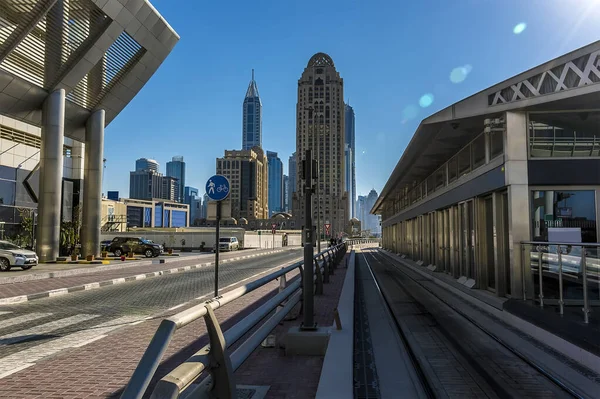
point(47, 284)
point(101, 369)
point(291, 377)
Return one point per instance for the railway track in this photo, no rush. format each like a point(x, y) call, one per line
point(453, 356)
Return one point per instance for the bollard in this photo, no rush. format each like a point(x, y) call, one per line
point(336, 317)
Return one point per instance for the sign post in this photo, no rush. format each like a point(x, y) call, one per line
point(327, 227)
point(217, 189)
point(309, 173)
point(273, 230)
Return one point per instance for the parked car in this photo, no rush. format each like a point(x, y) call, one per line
point(13, 255)
point(229, 244)
point(105, 244)
point(137, 245)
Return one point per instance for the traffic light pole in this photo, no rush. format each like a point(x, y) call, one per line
point(307, 278)
point(217, 249)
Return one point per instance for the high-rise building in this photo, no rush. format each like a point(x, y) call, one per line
point(292, 171)
point(350, 137)
point(363, 209)
point(286, 193)
point(145, 185)
point(320, 128)
point(204, 213)
point(348, 175)
point(275, 183)
point(143, 164)
point(252, 117)
point(191, 197)
point(176, 169)
point(247, 171)
point(169, 188)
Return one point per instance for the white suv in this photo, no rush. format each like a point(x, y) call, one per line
point(13, 255)
point(228, 244)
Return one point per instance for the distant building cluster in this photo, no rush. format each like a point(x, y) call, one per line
point(259, 188)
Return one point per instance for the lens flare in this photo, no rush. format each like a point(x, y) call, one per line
point(426, 100)
point(519, 28)
point(409, 112)
point(459, 74)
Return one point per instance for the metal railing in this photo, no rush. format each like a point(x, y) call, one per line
point(360, 241)
point(561, 273)
point(215, 358)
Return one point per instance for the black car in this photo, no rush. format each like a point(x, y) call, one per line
point(137, 245)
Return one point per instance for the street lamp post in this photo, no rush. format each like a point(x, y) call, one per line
point(314, 112)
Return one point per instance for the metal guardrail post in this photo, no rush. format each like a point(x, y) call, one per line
point(523, 281)
point(586, 305)
point(319, 279)
point(561, 302)
point(540, 275)
point(221, 370)
point(326, 271)
point(330, 262)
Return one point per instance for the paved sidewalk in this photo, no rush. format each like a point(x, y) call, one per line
point(291, 377)
point(101, 369)
point(28, 290)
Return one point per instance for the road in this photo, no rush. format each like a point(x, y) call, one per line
point(33, 331)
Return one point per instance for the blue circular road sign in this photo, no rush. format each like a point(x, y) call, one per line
point(217, 188)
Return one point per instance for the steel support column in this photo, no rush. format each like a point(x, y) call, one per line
point(92, 177)
point(51, 174)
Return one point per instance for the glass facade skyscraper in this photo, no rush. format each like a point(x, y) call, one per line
point(176, 169)
point(275, 183)
point(252, 118)
point(144, 164)
point(350, 139)
point(292, 179)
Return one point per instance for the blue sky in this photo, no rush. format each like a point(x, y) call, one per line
point(390, 54)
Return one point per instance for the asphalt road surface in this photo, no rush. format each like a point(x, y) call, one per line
point(32, 331)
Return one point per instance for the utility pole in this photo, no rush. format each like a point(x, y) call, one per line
point(309, 172)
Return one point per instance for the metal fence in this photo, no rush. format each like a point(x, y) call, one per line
point(215, 359)
point(563, 274)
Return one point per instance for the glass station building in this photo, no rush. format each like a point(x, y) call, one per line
point(510, 164)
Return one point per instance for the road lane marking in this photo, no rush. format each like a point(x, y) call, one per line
point(25, 358)
point(22, 319)
point(177, 306)
point(41, 329)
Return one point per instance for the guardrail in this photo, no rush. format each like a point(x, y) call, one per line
point(574, 265)
point(359, 241)
point(215, 357)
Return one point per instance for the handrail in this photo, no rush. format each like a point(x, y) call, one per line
point(573, 244)
point(186, 373)
point(583, 266)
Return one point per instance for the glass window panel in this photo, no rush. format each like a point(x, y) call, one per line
point(440, 177)
point(563, 209)
point(496, 144)
point(564, 134)
point(452, 169)
point(430, 184)
point(7, 192)
point(478, 151)
point(7, 214)
point(464, 161)
point(8, 173)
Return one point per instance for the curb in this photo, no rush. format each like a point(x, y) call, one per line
point(80, 271)
point(121, 280)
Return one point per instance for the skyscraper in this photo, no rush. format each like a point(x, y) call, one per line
point(286, 193)
point(176, 169)
point(275, 183)
point(320, 128)
point(247, 171)
point(192, 198)
point(143, 164)
point(292, 170)
point(350, 137)
point(252, 118)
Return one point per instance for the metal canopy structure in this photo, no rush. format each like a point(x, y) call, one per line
point(569, 82)
point(100, 52)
